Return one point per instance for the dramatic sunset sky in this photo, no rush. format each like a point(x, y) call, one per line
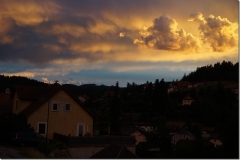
point(105, 41)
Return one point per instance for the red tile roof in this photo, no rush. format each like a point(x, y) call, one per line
point(115, 151)
point(181, 83)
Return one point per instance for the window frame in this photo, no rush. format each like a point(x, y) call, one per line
point(83, 125)
point(65, 107)
point(45, 123)
point(54, 110)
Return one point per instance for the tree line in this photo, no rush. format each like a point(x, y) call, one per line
point(217, 72)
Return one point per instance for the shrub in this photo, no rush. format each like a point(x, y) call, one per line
point(32, 153)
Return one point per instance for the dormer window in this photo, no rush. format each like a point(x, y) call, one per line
point(55, 107)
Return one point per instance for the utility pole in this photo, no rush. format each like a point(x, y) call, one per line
point(47, 126)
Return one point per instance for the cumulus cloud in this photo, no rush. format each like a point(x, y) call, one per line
point(165, 35)
point(216, 31)
point(121, 34)
point(45, 80)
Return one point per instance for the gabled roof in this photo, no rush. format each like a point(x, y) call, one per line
point(102, 140)
point(114, 151)
point(186, 132)
point(40, 95)
point(188, 97)
point(181, 83)
point(184, 142)
point(4, 99)
point(130, 130)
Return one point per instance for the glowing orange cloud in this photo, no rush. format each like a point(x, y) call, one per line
point(165, 35)
point(218, 32)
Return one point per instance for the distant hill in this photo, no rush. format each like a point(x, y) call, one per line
point(92, 90)
point(225, 71)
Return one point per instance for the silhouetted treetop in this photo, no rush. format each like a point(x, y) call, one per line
point(219, 71)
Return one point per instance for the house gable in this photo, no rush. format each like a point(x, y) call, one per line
point(62, 121)
point(182, 135)
point(66, 119)
point(187, 100)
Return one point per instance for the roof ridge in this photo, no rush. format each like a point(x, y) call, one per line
point(120, 151)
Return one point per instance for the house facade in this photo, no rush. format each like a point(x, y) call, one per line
point(216, 142)
point(136, 132)
point(187, 100)
point(52, 109)
point(182, 135)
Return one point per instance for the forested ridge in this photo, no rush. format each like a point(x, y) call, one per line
point(11, 81)
point(217, 72)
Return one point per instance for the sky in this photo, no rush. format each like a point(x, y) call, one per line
point(102, 42)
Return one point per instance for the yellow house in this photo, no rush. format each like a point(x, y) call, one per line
point(187, 100)
point(52, 109)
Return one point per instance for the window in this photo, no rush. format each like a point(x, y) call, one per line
point(67, 107)
point(80, 130)
point(16, 106)
point(42, 127)
point(55, 107)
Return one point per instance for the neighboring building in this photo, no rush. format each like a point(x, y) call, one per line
point(183, 134)
point(146, 127)
point(52, 109)
point(172, 89)
point(137, 133)
point(114, 151)
point(198, 84)
point(83, 98)
point(86, 147)
point(236, 92)
point(187, 100)
point(5, 102)
point(190, 86)
point(205, 135)
point(215, 140)
point(181, 84)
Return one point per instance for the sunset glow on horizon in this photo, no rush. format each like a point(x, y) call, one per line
point(103, 42)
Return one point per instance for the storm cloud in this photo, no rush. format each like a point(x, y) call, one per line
point(219, 32)
point(164, 34)
point(50, 40)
